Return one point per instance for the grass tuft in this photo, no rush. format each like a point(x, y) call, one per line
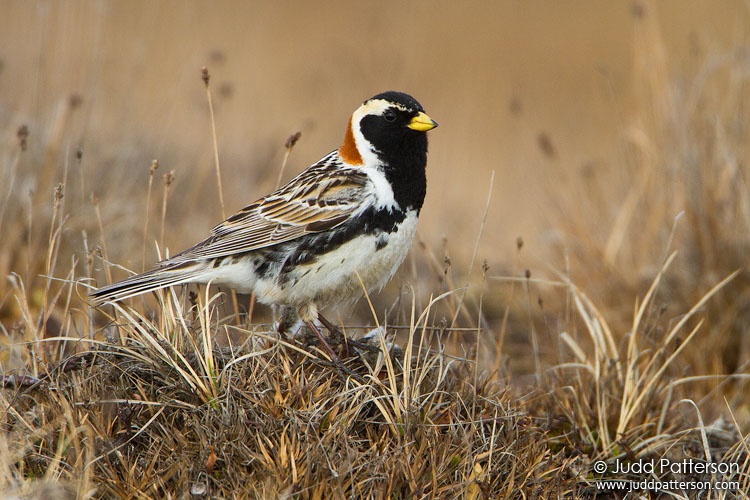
point(482, 385)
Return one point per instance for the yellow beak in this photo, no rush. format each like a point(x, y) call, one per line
point(422, 123)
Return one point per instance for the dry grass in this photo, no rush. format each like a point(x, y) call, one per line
point(269, 419)
point(488, 384)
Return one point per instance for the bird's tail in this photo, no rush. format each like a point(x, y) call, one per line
point(155, 279)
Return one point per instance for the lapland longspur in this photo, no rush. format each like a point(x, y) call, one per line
point(344, 222)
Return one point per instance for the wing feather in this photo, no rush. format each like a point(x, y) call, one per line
point(319, 199)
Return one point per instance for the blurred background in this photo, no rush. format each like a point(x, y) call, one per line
point(580, 109)
point(535, 91)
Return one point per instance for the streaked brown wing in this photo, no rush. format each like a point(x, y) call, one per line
point(310, 203)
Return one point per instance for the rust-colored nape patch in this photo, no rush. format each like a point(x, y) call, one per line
point(348, 151)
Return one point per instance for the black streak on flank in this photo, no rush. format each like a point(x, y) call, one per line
point(307, 248)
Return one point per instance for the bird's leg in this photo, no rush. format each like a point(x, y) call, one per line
point(312, 326)
point(335, 331)
point(343, 371)
point(329, 326)
point(287, 318)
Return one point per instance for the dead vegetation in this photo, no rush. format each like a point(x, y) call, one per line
point(510, 385)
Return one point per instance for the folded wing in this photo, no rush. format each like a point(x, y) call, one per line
point(308, 204)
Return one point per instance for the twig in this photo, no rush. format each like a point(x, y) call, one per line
point(168, 180)
point(206, 79)
point(476, 249)
point(151, 171)
point(289, 145)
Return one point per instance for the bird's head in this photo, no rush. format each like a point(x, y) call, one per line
point(388, 124)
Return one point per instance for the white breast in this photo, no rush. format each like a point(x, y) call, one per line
point(335, 276)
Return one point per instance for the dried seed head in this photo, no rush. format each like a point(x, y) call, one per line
point(292, 140)
point(75, 100)
point(169, 177)
point(59, 192)
point(638, 10)
point(23, 135)
point(545, 144)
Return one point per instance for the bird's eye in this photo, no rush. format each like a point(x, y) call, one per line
point(389, 115)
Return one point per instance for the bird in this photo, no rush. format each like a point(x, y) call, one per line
point(342, 226)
